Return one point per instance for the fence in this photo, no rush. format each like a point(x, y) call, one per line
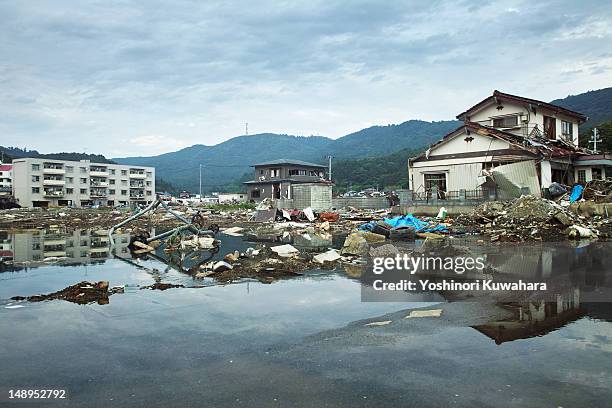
point(434, 196)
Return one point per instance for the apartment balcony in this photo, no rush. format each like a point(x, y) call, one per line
point(98, 193)
point(98, 173)
point(98, 184)
point(48, 254)
point(53, 170)
point(53, 193)
point(137, 197)
point(54, 182)
point(138, 175)
point(54, 241)
point(137, 185)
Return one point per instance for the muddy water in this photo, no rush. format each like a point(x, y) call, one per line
point(304, 341)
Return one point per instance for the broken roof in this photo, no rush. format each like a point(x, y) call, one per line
point(288, 161)
point(497, 95)
point(536, 146)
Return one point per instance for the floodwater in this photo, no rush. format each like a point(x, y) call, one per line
point(297, 342)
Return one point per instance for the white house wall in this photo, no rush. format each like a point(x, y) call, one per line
point(479, 144)
point(484, 117)
point(458, 176)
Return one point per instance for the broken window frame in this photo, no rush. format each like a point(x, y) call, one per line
point(581, 176)
point(506, 122)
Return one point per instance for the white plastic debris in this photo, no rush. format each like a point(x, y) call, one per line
point(285, 251)
point(222, 266)
point(329, 256)
point(582, 232)
point(233, 231)
point(309, 214)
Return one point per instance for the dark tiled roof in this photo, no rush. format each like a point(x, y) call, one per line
point(290, 162)
point(520, 99)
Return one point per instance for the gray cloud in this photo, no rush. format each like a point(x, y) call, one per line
point(132, 74)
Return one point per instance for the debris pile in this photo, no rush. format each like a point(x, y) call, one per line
point(82, 293)
point(531, 218)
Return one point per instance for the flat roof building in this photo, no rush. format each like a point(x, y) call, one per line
point(39, 182)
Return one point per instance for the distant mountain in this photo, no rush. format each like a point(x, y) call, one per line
point(229, 160)
point(597, 105)
point(16, 152)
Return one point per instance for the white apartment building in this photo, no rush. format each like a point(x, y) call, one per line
point(6, 179)
point(56, 183)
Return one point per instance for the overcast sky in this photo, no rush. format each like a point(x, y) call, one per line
point(138, 78)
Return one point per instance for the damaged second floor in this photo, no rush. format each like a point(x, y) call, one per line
point(525, 117)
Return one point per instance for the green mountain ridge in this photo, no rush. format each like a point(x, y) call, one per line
point(228, 161)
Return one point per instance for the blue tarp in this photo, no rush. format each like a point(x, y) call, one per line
point(410, 221)
point(406, 221)
point(576, 193)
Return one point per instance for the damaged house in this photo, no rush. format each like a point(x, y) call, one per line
point(282, 179)
point(507, 146)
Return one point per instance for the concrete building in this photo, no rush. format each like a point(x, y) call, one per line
point(500, 130)
point(225, 198)
point(49, 183)
point(6, 179)
point(274, 179)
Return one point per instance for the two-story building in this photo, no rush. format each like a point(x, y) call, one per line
point(274, 179)
point(502, 129)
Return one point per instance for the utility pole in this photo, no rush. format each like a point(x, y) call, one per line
point(246, 128)
point(595, 139)
point(200, 182)
point(329, 158)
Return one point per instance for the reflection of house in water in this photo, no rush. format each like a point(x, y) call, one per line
point(535, 318)
point(80, 246)
point(6, 247)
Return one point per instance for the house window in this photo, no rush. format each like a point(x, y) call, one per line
point(274, 172)
point(550, 127)
point(83, 181)
point(111, 182)
point(35, 190)
point(123, 192)
point(69, 169)
point(111, 172)
point(435, 180)
point(567, 129)
point(506, 122)
point(596, 174)
point(255, 194)
point(124, 172)
point(69, 191)
point(35, 179)
point(83, 191)
point(83, 170)
point(111, 192)
point(35, 167)
point(582, 176)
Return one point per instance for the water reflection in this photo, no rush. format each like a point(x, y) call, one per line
point(76, 247)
